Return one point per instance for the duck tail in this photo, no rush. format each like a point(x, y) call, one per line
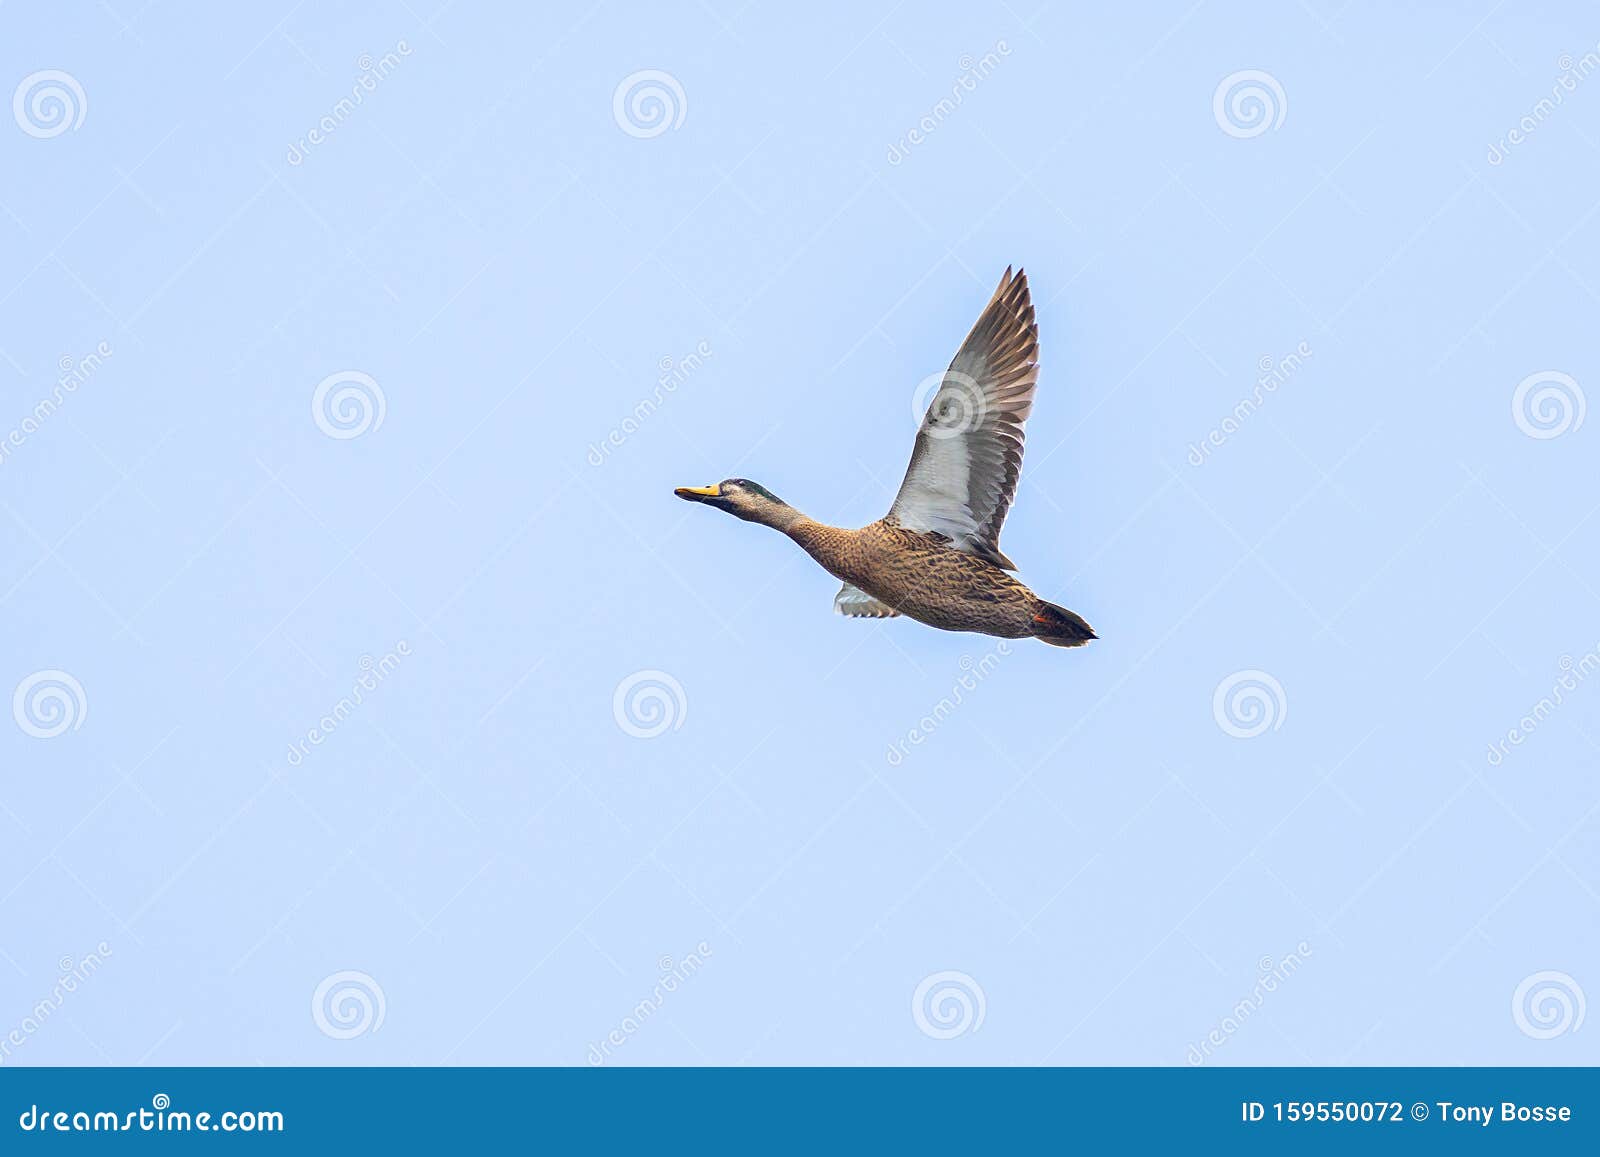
point(1060, 627)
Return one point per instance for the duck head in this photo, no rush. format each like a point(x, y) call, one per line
point(744, 499)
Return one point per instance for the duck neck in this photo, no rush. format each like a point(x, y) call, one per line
point(781, 517)
point(811, 536)
point(817, 539)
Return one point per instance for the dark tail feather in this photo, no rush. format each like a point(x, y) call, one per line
point(1060, 627)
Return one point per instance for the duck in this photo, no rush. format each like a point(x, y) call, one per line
point(936, 557)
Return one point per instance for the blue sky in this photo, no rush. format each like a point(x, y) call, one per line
point(376, 702)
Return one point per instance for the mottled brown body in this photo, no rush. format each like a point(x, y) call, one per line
point(920, 576)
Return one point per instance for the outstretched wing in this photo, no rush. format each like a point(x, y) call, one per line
point(968, 454)
point(855, 603)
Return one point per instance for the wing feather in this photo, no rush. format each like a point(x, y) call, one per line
point(968, 454)
point(855, 603)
